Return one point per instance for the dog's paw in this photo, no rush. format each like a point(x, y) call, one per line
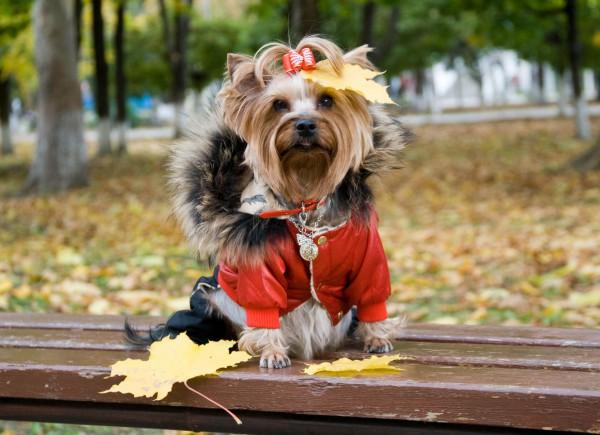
point(378, 345)
point(274, 360)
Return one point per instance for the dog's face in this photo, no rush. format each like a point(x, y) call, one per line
point(302, 138)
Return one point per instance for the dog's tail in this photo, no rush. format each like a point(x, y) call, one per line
point(140, 338)
point(202, 323)
point(199, 328)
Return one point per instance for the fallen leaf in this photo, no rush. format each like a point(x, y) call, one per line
point(5, 285)
point(359, 365)
point(68, 257)
point(134, 298)
point(587, 299)
point(3, 302)
point(353, 77)
point(156, 376)
point(99, 306)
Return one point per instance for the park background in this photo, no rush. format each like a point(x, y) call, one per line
point(494, 218)
point(488, 222)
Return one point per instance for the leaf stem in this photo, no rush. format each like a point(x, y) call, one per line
point(235, 417)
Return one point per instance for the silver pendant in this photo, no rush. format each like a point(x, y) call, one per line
point(308, 249)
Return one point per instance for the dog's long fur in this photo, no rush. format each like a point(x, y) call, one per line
point(208, 175)
point(240, 139)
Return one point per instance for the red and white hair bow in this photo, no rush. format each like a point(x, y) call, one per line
point(294, 61)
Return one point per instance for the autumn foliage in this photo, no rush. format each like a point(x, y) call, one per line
point(485, 224)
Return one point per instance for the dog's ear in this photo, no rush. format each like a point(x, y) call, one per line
point(358, 56)
point(235, 60)
point(240, 71)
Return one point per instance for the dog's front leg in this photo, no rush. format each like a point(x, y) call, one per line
point(377, 336)
point(270, 344)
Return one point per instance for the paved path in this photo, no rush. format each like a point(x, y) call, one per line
point(134, 134)
point(544, 112)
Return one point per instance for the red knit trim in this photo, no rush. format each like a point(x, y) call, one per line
point(263, 318)
point(372, 313)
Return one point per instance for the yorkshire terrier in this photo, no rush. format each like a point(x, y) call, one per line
point(273, 187)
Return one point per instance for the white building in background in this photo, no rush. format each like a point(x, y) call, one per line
point(506, 80)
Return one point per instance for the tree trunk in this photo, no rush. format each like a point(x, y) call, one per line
point(432, 101)
point(78, 14)
point(120, 79)
point(563, 93)
point(390, 37)
point(541, 82)
point(597, 83)
point(179, 61)
point(101, 90)
point(582, 120)
point(419, 75)
point(368, 18)
point(304, 17)
point(166, 29)
point(589, 160)
point(60, 157)
point(7, 147)
point(460, 72)
point(477, 76)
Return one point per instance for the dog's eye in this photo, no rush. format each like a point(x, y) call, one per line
point(280, 105)
point(326, 101)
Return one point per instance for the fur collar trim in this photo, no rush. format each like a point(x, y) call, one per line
point(208, 179)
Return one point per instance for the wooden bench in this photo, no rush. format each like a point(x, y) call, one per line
point(461, 379)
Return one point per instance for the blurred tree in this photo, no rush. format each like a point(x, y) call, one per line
point(78, 7)
point(101, 76)
point(582, 120)
point(303, 18)
point(590, 159)
point(60, 157)
point(265, 21)
point(120, 79)
point(210, 41)
point(368, 20)
point(7, 147)
point(146, 70)
point(176, 43)
point(14, 23)
point(541, 31)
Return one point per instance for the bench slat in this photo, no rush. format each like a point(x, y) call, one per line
point(74, 321)
point(455, 394)
point(519, 335)
point(423, 352)
point(209, 420)
point(493, 376)
point(487, 378)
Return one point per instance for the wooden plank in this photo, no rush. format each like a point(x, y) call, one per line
point(521, 335)
point(74, 321)
point(515, 335)
point(423, 352)
point(506, 397)
point(216, 421)
point(65, 339)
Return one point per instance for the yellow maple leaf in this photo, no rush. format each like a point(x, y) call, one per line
point(173, 360)
point(353, 77)
point(358, 365)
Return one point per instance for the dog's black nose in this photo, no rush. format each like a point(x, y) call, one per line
point(306, 127)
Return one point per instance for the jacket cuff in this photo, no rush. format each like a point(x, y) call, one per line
point(263, 318)
point(372, 313)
